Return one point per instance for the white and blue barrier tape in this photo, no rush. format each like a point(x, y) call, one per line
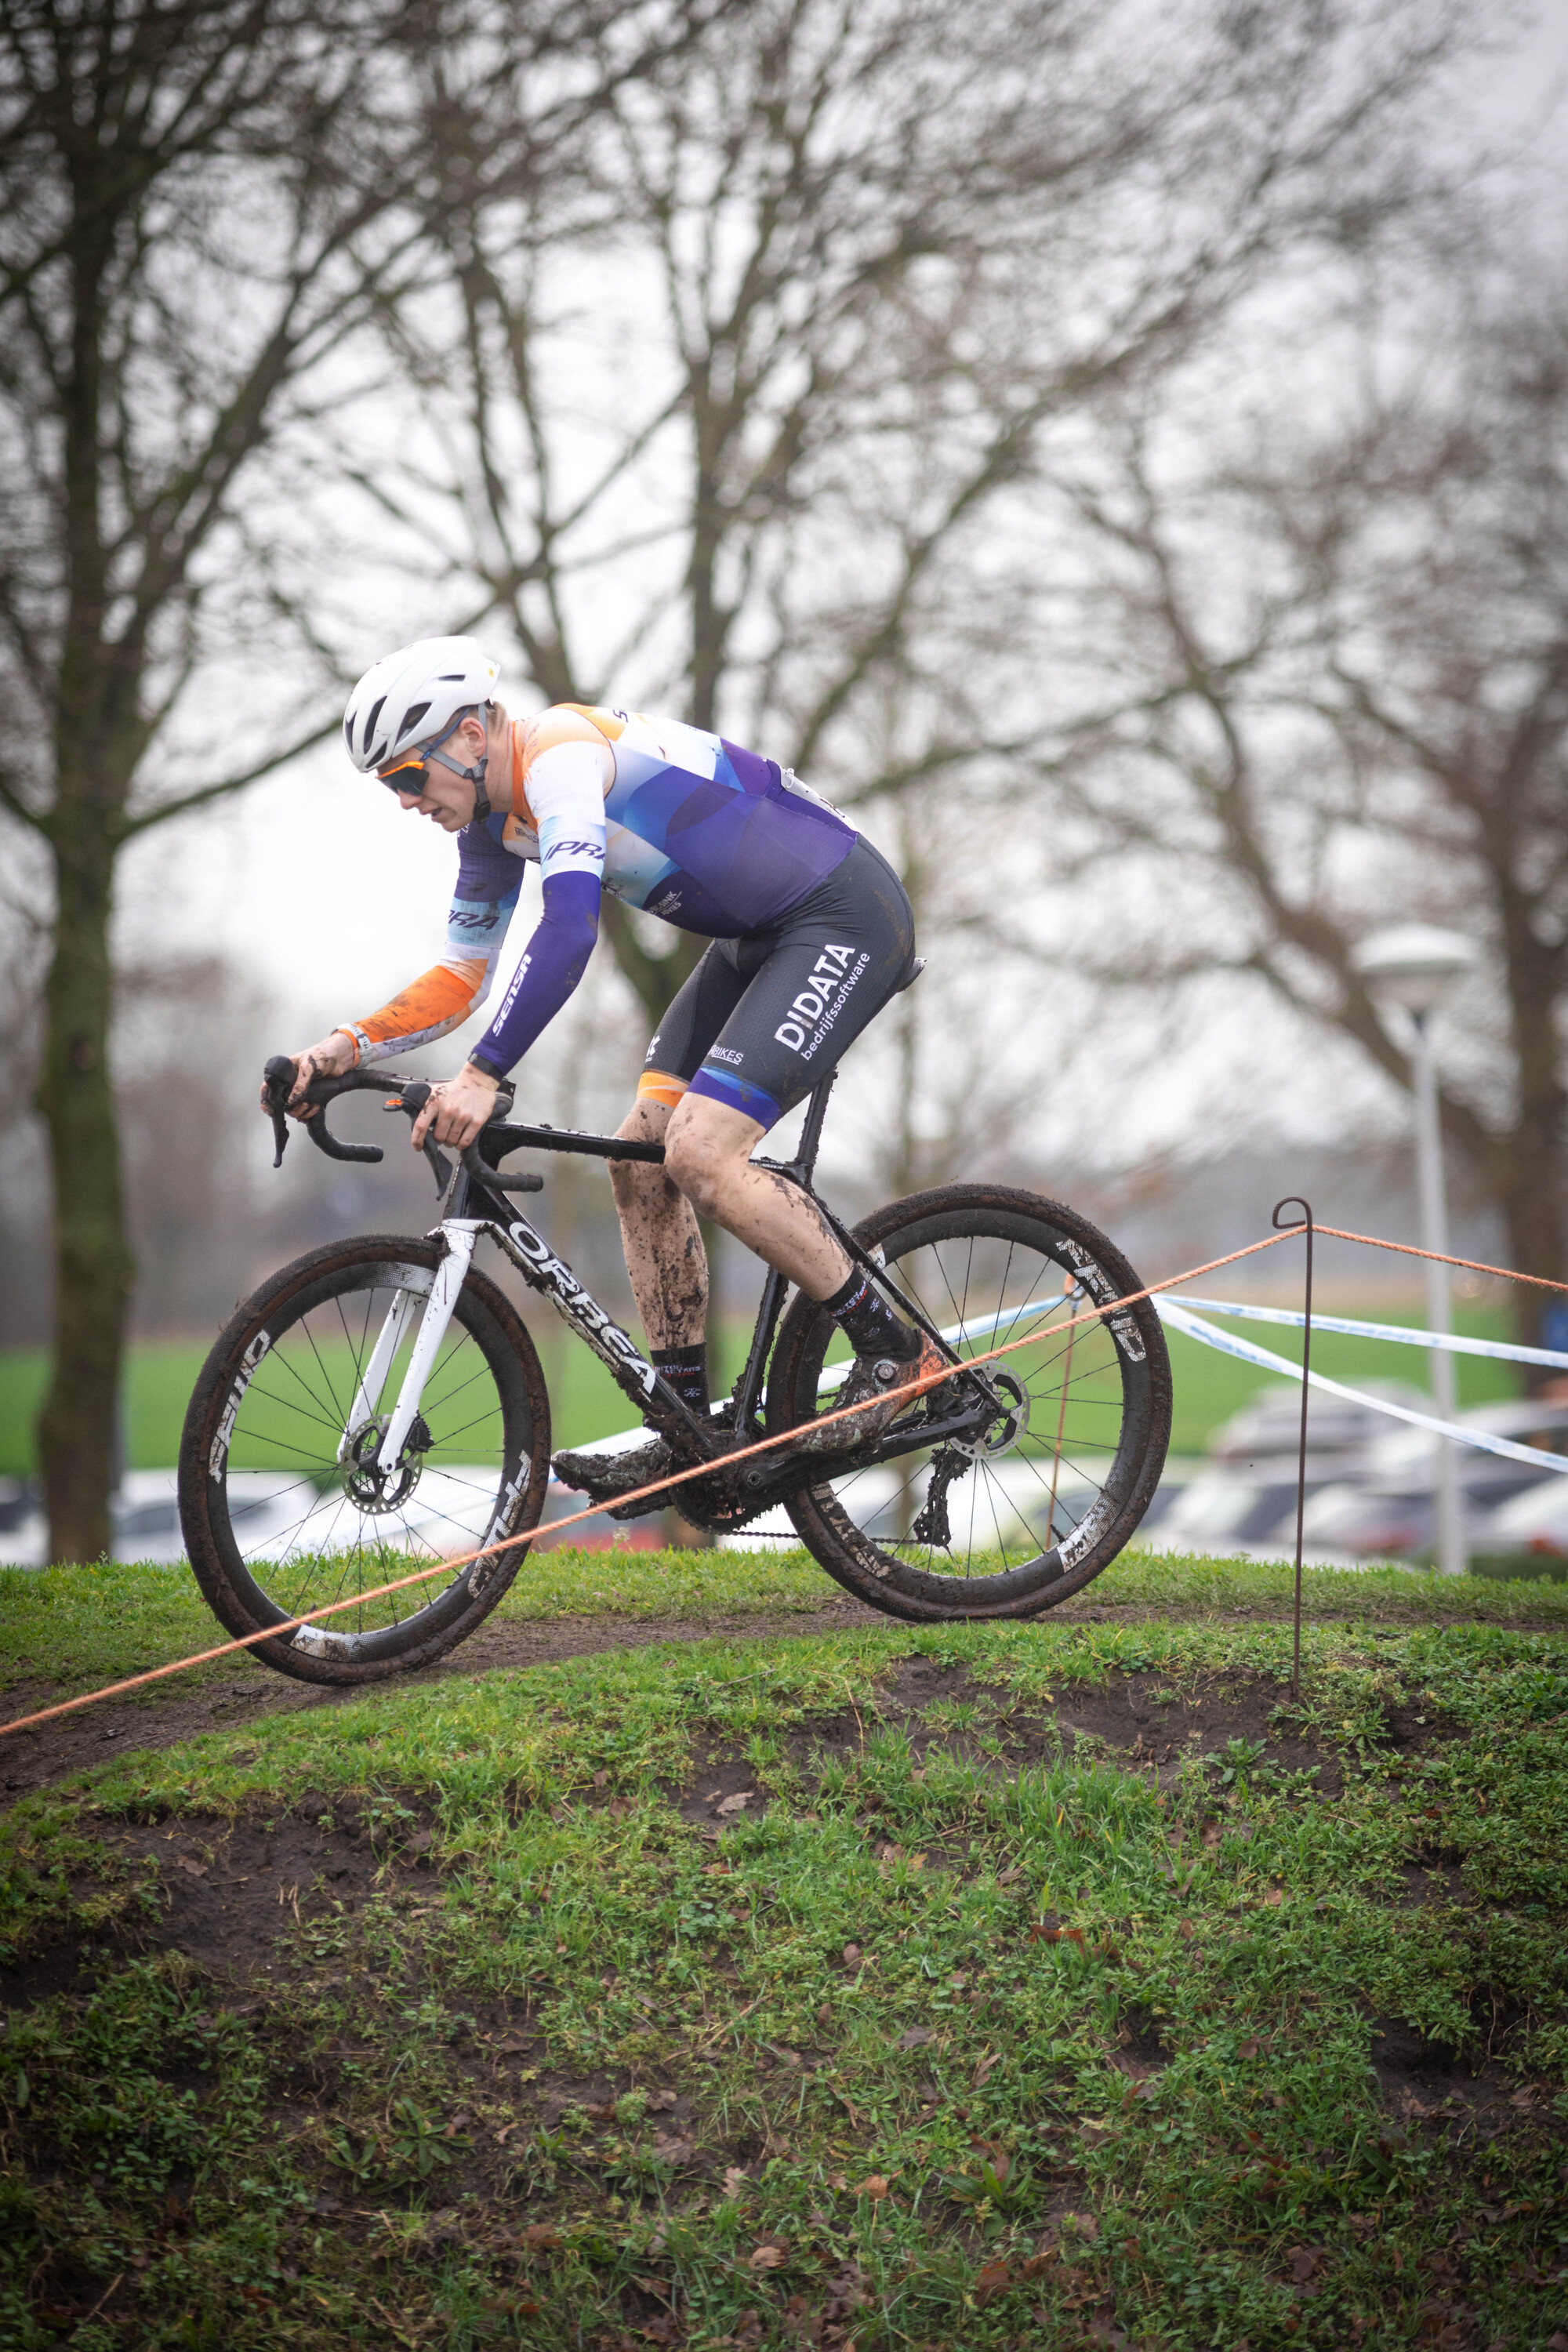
point(1178, 1314)
point(1227, 1343)
point(1448, 1341)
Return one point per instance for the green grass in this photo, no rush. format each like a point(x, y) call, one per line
point(160, 1376)
point(585, 1402)
point(988, 2044)
point(84, 1626)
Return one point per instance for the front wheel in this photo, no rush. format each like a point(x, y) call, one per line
point(1026, 1506)
point(282, 1499)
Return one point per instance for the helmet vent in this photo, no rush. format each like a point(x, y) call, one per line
point(449, 677)
point(375, 711)
point(412, 718)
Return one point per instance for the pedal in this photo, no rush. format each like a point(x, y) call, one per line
point(599, 1471)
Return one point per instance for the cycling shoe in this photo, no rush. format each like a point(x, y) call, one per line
point(867, 1388)
point(616, 1464)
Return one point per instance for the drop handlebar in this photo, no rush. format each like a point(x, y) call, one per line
point(410, 1095)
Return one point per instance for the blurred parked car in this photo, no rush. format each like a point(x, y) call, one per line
point(21, 1525)
point(448, 1514)
point(1391, 1506)
point(1370, 1481)
point(1223, 1510)
point(1538, 1422)
point(1533, 1522)
point(144, 1516)
point(1395, 1519)
point(1270, 1423)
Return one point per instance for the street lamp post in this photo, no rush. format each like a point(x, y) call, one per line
point(1414, 965)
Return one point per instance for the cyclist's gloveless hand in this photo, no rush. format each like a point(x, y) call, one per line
point(333, 1059)
point(456, 1109)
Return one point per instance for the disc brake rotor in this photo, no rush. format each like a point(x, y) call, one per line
point(1001, 1434)
point(375, 1487)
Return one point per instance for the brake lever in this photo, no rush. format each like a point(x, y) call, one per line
point(277, 1085)
point(279, 1080)
point(415, 1093)
point(412, 1099)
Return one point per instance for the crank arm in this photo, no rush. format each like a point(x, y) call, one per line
point(910, 1437)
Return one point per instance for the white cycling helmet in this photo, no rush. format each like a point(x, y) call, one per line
point(416, 696)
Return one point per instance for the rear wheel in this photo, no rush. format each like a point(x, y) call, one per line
point(1036, 1496)
point(282, 1500)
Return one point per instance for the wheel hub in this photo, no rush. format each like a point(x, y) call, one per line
point(1002, 1432)
point(375, 1487)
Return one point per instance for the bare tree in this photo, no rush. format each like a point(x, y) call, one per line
point(201, 203)
point(749, 442)
point(1334, 682)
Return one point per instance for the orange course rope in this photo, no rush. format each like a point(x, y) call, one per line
point(1408, 1249)
point(636, 1494)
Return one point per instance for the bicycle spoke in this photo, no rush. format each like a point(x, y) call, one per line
point(1012, 1496)
point(312, 1543)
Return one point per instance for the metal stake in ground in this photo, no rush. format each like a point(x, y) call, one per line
point(1290, 1225)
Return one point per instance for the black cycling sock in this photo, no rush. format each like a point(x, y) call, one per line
point(686, 1369)
point(869, 1324)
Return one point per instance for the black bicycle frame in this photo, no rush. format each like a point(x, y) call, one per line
point(468, 1201)
point(638, 1379)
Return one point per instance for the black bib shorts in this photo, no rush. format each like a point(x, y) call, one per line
point(761, 1018)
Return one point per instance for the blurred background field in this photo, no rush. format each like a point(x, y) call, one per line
point(587, 1403)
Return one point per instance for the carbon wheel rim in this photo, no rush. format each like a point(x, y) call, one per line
point(1045, 1486)
point(298, 1512)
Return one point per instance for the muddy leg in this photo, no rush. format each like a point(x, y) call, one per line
point(710, 1147)
point(664, 1256)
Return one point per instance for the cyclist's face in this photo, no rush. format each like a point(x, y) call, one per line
point(446, 800)
point(432, 791)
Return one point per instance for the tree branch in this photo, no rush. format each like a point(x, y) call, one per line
point(206, 794)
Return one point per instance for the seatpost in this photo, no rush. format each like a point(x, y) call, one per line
point(805, 1160)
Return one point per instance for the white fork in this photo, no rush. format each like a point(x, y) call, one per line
point(459, 1236)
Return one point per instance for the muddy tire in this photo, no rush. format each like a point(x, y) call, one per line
point(1028, 1512)
point(278, 1518)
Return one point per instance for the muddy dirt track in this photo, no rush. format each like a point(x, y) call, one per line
point(165, 1713)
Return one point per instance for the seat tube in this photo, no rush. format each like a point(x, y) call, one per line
point(811, 1133)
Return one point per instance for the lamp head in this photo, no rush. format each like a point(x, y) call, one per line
point(1414, 964)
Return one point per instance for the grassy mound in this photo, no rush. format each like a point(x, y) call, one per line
point(78, 1627)
point(971, 1988)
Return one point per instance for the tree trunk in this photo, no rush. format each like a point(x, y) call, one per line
point(93, 1267)
point(1531, 1188)
point(654, 979)
point(1531, 1176)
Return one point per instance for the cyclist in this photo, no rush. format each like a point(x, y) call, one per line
point(810, 933)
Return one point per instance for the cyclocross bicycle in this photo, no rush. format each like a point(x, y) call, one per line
point(380, 1403)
